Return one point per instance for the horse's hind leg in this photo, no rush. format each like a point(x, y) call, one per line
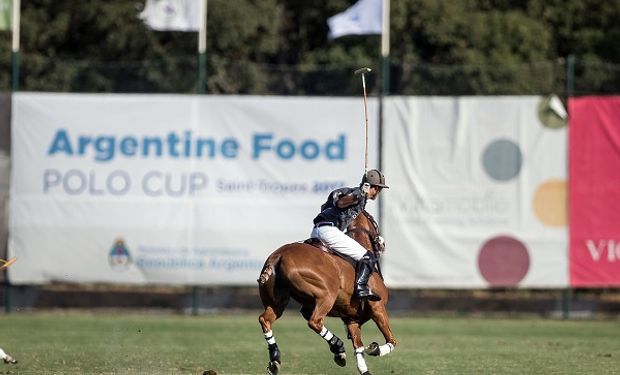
point(316, 320)
point(266, 320)
point(273, 310)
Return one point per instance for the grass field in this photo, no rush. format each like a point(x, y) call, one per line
point(117, 343)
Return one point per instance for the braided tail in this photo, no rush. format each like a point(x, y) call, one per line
point(269, 269)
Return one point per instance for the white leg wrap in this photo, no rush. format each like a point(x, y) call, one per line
point(2, 354)
point(385, 349)
point(269, 337)
point(361, 362)
point(326, 334)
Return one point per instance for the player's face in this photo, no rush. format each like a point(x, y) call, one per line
point(374, 191)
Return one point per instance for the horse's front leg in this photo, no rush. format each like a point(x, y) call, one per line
point(380, 318)
point(355, 334)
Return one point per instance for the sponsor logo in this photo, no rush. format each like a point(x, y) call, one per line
point(105, 148)
point(604, 250)
point(119, 256)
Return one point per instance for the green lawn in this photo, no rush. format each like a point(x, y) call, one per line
point(116, 343)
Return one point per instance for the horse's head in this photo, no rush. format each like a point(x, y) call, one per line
point(364, 229)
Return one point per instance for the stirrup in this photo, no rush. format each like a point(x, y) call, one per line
point(367, 294)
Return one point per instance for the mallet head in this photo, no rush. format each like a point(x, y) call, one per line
point(362, 71)
point(6, 263)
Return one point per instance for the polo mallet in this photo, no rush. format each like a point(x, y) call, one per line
point(361, 72)
point(6, 263)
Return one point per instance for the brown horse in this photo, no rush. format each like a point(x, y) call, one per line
point(323, 283)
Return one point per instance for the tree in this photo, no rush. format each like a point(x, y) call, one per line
point(439, 47)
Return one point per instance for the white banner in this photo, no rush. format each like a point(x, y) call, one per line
point(187, 190)
point(477, 193)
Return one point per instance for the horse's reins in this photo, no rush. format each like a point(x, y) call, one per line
point(372, 240)
point(367, 231)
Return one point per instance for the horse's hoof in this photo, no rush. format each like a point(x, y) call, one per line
point(373, 349)
point(367, 373)
point(273, 368)
point(340, 359)
point(10, 360)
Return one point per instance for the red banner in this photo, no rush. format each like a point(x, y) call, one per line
point(594, 193)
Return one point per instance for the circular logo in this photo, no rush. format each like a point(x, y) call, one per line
point(550, 202)
point(502, 160)
point(503, 261)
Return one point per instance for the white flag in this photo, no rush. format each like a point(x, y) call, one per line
point(6, 14)
point(172, 15)
point(364, 17)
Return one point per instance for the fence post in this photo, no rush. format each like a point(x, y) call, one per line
point(570, 75)
point(7, 297)
point(14, 70)
point(567, 294)
point(384, 91)
point(202, 62)
point(195, 300)
point(15, 26)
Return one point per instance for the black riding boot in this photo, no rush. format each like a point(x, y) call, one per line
point(363, 273)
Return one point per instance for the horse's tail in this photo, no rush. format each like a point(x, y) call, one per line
point(269, 269)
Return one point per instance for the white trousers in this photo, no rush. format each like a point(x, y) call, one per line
point(340, 242)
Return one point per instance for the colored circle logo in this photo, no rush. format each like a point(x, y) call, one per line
point(502, 160)
point(503, 261)
point(549, 203)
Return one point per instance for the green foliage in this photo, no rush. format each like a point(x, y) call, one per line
point(440, 47)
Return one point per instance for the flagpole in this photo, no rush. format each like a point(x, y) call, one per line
point(385, 81)
point(385, 48)
point(385, 70)
point(202, 47)
point(14, 86)
point(202, 73)
point(15, 46)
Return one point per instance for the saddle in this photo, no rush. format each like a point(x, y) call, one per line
point(321, 246)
